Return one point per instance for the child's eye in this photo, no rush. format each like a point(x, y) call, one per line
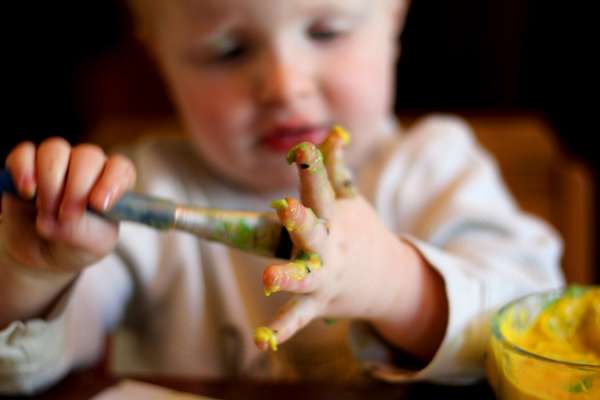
point(322, 32)
point(231, 54)
point(224, 50)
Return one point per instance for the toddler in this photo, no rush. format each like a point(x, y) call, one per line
point(395, 270)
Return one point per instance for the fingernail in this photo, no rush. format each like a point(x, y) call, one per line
point(107, 201)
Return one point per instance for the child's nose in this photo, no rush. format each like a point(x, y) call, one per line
point(283, 78)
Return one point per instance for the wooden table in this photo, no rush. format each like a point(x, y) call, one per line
point(83, 385)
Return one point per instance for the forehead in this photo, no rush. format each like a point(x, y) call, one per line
point(262, 10)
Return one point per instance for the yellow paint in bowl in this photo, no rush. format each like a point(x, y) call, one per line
point(547, 346)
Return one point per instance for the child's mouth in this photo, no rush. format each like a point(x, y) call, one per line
point(281, 140)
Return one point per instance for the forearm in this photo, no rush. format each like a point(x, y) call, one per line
point(414, 318)
point(25, 295)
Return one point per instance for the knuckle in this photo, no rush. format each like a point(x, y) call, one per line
point(87, 150)
point(15, 157)
point(55, 143)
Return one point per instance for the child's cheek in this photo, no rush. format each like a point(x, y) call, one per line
point(214, 108)
point(360, 90)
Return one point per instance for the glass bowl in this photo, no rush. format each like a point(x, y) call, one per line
point(515, 373)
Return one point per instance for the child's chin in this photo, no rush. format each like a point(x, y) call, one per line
point(271, 181)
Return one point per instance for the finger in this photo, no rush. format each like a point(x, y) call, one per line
point(118, 176)
point(298, 276)
point(315, 190)
point(21, 164)
point(51, 161)
point(80, 241)
point(294, 315)
point(333, 156)
point(85, 166)
point(306, 230)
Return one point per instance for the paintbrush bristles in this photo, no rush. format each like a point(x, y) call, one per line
point(256, 232)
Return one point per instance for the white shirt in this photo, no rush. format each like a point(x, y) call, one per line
point(187, 307)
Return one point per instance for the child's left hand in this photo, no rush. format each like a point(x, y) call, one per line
point(347, 264)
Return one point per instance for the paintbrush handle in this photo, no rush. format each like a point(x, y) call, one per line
point(251, 231)
point(135, 207)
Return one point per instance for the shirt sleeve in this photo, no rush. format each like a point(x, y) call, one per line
point(35, 354)
point(443, 193)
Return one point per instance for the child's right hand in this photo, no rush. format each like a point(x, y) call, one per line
point(53, 234)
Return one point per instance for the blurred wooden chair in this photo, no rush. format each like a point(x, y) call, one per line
point(545, 182)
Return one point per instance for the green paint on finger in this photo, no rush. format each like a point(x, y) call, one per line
point(313, 258)
point(291, 155)
point(315, 157)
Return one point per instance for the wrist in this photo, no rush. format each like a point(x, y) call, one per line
point(415, 318)
point(26, 293)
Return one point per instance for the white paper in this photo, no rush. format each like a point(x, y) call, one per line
point(134, 390)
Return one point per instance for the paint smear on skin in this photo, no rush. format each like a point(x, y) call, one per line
point(315, 179)
point(336, 134)
point(281, 206)
point(307, 156)
point(339, 132)
point(293, 215)
point(263, 334)
point(332, 152)
point(242, 233)
point(271, 289)
point(304, 264)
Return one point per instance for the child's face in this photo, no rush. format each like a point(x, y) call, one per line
point(252, 78)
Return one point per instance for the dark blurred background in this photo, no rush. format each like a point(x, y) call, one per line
point(481, 56)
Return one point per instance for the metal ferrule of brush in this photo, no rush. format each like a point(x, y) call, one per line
point(151, 211)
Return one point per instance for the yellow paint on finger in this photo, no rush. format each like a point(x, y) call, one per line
point(310, 261)
point(297, 270)
point(279, 204)
point(337, 130)
point(270, 290)
point(263, 334)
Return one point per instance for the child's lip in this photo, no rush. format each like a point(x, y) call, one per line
point(282, 138)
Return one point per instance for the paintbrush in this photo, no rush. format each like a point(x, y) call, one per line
point(251, 231)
